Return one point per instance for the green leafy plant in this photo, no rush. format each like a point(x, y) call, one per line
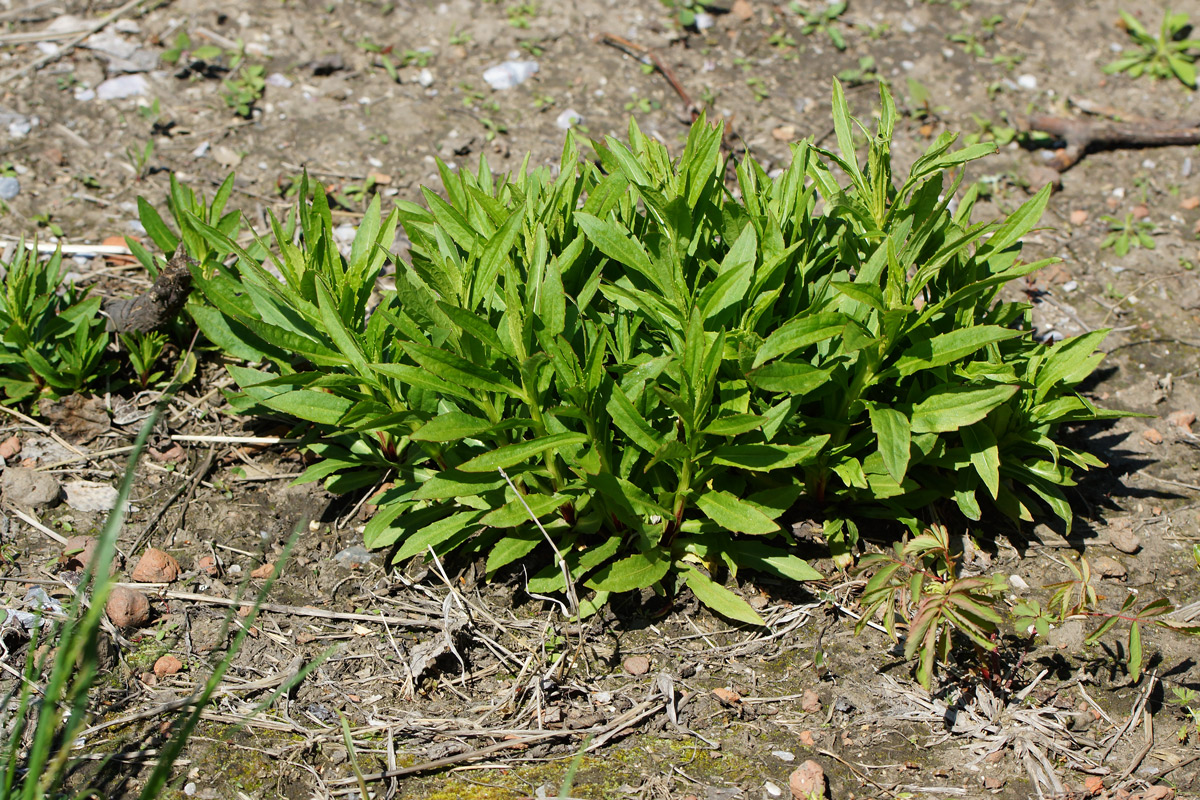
point(661, 368)
point(686, 10)
point(758, 87)
point(989, 130)
point(1184, 698)
point(919, 583)
point(144, 351)
point(521, 14)
point(245, 88)
point(1164, 56)
point(863, 73)
point(823, 19)
point(52, 337)
point(1128, 233)
point(1076, 598)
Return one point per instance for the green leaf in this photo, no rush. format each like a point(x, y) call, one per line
point(514, 512)
point(798, 334)
point(734, 514)
point(455, 369)
point(767, 457)
point(765, 558)
point(734, 424)
point(513, 547)
point(632, 572)
point(718, 598)
point(433, 533)
point(894, 434)
point(451, 426)
point(309, 404)
point(985, 455)
point(631, 423)
point(513, 454)
point(616, 243)
point(950, 408)
point(951, 347)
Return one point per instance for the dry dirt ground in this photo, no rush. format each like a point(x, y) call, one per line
point(427, 666)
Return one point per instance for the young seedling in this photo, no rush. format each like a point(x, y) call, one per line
point(1164, 56)
point(1128, 233)
point(823, 20)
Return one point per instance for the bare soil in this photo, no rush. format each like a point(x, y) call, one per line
point(465, 665)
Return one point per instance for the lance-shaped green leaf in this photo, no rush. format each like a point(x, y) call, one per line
point(950, 347)
point(985, 455)
point(734, 514)
point(767, 457)
point(894, 435)
point(515, 512)
point(718, 598)
point(631, 423)
point(455, 369)
point(953, 407)
point(632, 572)
point(450, 427)
point(798, 334)
point(512, 454)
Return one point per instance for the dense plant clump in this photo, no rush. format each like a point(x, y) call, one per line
point(52, 338)
point(645, 370)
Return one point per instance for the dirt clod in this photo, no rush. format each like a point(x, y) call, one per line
point(208, 565)
point(29, 489)
point(1124, 539)
point(636, 665)
point(77, 419)
point(1152, 436)
point(1107, 567)
point(77, 552)
point(810, 702)
point(1094, 784)
point(156, 566)
point(807, 781)
point(727, 697)
point(806, 739)
point(167, 665)
point(127, 608)
point(263, 570)
point(1182, 420)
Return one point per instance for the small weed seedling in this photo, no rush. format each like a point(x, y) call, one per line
point(1164, 56)
point(758, 87)
point(919, 583)
point(144, 350)
point(521, 14)
point(52, 337)
point(1189, 701)
point(1128, 233)
point(823, 20)
point(990, 131)
point(686, 11)
point(245, 88)
point(863, 73)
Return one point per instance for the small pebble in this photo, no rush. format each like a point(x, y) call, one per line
point(10, 187)
point(1124, 539)
point(636, 665)
point(1027, 82)
point(807, 781)
point(1079, 216)
point(1152, 436)
point(425, 78)
point(1070, 286)
point(1018, 583)
point(167, 665)
point(772, 789)
point(156, 566)
point(279, 80)
point(127, 608)
point(783, 755)
point(568, 119)
point(810, 702)
point(1107, 567)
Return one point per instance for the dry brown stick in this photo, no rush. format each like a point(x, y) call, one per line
point(1141, 754)
point(299, 611)
point(1083, 136)
point(1138, 705)
point(648, 56)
